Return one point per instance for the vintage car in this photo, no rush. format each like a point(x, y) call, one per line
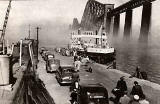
point(52, 65)
point(48, 55)
point(64, 74)
point(92, 94)
point(42, 49)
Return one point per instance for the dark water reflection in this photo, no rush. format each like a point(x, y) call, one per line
point(133, 53)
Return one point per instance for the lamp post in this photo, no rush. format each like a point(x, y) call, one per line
point(37, 40)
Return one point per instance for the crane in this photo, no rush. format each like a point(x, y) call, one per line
point(4, 26)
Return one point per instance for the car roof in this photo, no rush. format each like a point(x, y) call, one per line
point(67, 66)
point(97, 87)
point(91, 85)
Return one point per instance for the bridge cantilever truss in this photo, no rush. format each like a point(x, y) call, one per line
point(93, 15)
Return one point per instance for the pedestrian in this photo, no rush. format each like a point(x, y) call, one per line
point(75, 57)
point(122, 88)
point(77, 64)
point(137, 90)
point(85, 60)
point(114, 64)
point(75, 79)
point(117, 93)
point(74, 53)
point(121, 84)
point(143, 101)
point(124, 99)
point(135, 100)
point(137, 73)
point(73, 96)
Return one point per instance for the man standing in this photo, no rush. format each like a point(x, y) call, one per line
point(121, 84)
point(77, 64)
point(137, 90)
point(121, 89)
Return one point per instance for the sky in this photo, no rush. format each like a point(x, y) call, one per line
point(54, 17)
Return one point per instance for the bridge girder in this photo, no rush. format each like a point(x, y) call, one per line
point(128, 6)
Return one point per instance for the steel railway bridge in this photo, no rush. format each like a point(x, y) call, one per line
point(96, 14)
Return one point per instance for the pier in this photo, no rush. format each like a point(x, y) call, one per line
point(100, 74)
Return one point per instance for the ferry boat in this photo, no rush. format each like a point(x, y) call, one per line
point(93, 44)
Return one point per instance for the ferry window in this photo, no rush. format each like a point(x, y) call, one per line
point(103, 34)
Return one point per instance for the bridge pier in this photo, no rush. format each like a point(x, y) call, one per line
point(116, 25)
point(128, 23)
point(108, 24)
point(145, 23)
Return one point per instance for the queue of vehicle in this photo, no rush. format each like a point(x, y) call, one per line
point(87, 93)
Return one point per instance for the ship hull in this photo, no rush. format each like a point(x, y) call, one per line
point(102, 58)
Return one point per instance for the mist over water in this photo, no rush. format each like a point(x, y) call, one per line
point(134, 53)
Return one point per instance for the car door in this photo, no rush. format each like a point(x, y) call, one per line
point(59, 74)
